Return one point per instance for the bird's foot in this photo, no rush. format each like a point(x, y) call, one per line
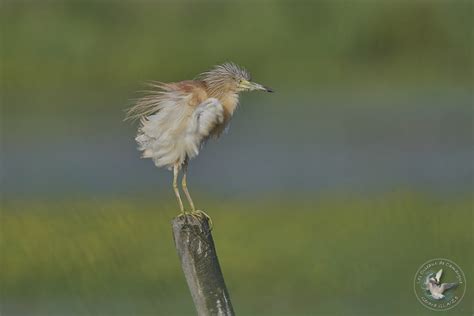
point(183, 214)
point(200, 215)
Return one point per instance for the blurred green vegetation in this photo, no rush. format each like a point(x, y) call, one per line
point(63, 56)
point(334, 256)
point(67, 69)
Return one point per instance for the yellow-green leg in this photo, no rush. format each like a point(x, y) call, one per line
point(184, 185)
point(175, 188)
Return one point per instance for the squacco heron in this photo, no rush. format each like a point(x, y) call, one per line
point(177, 118)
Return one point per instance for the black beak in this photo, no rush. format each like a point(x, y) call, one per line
point(267, 89)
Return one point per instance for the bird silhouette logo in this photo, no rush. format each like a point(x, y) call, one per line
point(439, 284)
point(435, 287)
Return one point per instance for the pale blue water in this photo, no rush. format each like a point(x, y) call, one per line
point(277, 144)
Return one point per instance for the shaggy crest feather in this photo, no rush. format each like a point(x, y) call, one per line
point(219, 77)
point(224, 71)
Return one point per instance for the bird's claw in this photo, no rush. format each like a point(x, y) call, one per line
point(197, 214)
point(183, 214)
point(200, 215)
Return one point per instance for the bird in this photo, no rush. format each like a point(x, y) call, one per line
point(178, 118)
point(435, 287)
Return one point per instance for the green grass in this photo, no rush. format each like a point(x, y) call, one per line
point(332, 256)
point(81, 57)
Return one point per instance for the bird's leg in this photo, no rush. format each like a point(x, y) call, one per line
point(184, 185)
point(175, 188)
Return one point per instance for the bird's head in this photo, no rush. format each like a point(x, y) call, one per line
point(432, 280)
point(229, 77)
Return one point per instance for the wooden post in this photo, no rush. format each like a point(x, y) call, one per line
point(195, 246)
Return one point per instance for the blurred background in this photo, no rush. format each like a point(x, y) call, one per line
point(326, 196)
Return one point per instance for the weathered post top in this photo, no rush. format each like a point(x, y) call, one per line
point(196, 250)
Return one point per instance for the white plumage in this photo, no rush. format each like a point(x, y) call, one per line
point(177, 131)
